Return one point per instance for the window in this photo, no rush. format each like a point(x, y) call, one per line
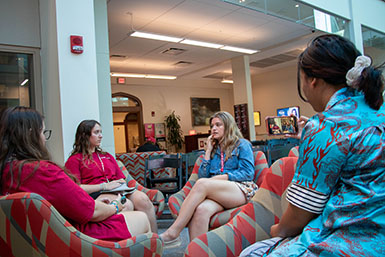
point(17, 78)
point(124, 101)
point(374, 45)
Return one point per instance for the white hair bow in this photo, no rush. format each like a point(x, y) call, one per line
point(360, 64)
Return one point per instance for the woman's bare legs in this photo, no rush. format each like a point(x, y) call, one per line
point(137, 222)
point(144, 204)
point(199, 223)
point(224, 192)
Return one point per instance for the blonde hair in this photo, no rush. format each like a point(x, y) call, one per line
point(231, 134)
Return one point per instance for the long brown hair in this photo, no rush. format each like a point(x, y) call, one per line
point(20, 138)
point(82, 139)
point(231, 135)
point(20, 141)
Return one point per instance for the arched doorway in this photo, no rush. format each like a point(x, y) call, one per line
point(128, 122)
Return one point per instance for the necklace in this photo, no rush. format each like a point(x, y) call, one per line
point(101, 162)
point(222, 162)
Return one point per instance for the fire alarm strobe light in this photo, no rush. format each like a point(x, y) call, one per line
point(76, 44)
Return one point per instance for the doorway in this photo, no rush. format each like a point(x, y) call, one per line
point(128, 122)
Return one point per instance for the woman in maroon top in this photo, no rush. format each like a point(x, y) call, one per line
point(25, 167)
point(98, 171)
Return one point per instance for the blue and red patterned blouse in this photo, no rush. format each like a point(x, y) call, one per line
point(341, 176)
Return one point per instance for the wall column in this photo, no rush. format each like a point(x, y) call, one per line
point(242, 89)
point(103, 75)
point(70, 81)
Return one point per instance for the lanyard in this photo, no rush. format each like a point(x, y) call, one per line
point(101, 162)
point(222, 162)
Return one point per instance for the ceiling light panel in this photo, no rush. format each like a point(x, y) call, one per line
point(200, 43)
point(146, 76)
point(156, 37)
point(127, 75)
point(227, 81)
point(239, 50)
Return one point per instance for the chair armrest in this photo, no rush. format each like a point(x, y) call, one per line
point(254, 220)
point(175, 201)
point(155, 196)
point(251, 224)
point(35, 227)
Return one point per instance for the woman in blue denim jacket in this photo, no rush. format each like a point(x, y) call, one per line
point(225, 180)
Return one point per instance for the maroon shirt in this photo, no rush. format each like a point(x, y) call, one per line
point(50, 181)
point(93, 171)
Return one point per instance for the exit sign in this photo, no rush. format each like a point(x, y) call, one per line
point(121, 80)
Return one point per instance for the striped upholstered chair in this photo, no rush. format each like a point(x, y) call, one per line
point(156, 197)
point(254, 220)
point(135, 163)
point(294, 152)
point(31, 226)
point(175, 201)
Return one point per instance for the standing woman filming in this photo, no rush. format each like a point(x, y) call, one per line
point(98, 171)
point(25, 167)
point(225, 179)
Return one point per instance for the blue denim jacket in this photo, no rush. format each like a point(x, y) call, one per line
point(239, 167)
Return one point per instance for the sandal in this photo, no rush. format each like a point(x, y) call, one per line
point(172, 243)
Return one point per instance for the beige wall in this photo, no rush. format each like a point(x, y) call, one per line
point(163, 97)
point(275, 90)
point(271, 91)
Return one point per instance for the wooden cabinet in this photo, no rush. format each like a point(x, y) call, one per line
point(242, 119)
point(193, 142)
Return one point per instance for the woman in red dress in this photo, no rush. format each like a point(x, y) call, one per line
point(98, 171)
point(25, 167)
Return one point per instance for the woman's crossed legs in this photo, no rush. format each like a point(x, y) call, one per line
point(208, 196)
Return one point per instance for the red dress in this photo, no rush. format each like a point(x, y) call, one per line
point(50, 181)
point(93, 171)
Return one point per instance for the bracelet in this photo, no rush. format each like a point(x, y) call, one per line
point(116, 205)
point(115, 201)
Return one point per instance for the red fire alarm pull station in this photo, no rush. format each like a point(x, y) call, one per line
point(76, 44)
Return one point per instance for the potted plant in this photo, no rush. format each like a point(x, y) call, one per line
point(174, 133)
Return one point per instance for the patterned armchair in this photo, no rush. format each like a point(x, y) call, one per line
point(175, 201)
point(294, 152)
point(254, 220)
point(156, 197)
point(136, 162)
point(31, 226)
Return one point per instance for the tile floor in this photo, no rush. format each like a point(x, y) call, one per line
point(163, 224)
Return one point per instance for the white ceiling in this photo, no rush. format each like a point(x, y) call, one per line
point(204, 20)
